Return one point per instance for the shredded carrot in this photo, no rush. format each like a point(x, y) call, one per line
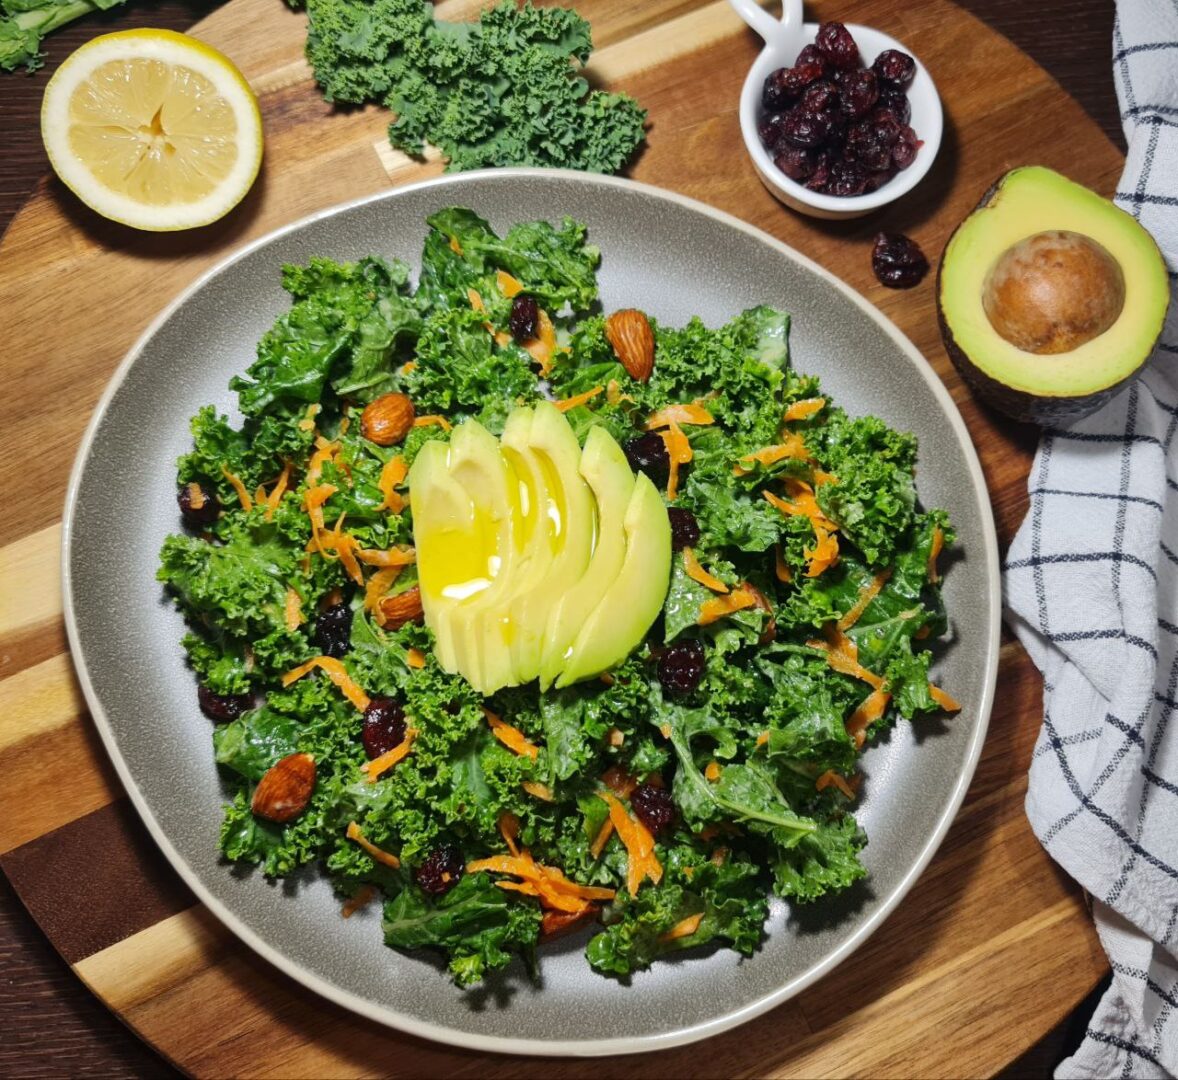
point(679, 451)
point(509, 736)
point(540, 791)
point(602, 838)
point(642, 861)
point(829, 778)
point(259, 496)
point(476, 301)
point(543, 347)
point(821, 477)
point(712, 772)
point(508, 285)
point(868, 593)
point(618, 780)
point(763, 738)
point(407, 367)
point(308, 421)
point(698, 573)
point(934, 551)
point(792, 446)
point(455, 246)
point(294, 610)
point(693, 413)
point(275, 496)
point(946, 702)
point(802, 503)
point(432, 420)
point(313, 501)
point(414, 658)
point(344, 545)
point(720, 606)
point(336, 672)
point(390, 557)
point(362, 897)
point(665, 730)
point(549, 884)
point(683, 928)
point(870, 709)
point(613, 393)
point(380, 765)
point(324, 452)
point(804, 409)
point(378, 586)
point(842, 654)
point(392, 475)
point(784, 573)
point(380, 855)
point(243, 496)
point(577, 399)
point(509, 829)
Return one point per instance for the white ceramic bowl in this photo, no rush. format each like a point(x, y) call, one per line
point(784, 39)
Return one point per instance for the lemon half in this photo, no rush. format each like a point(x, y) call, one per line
point(153, 129)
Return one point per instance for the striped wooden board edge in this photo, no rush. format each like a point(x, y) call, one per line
point(947, 985)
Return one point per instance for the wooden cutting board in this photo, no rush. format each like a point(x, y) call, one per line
point(992, 947)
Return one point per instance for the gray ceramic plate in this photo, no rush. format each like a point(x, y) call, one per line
point(675, 258)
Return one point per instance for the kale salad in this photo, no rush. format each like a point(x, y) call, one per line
point(660, 802)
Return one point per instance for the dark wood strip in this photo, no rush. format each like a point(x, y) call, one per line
point(32, 647)
point(95, 881)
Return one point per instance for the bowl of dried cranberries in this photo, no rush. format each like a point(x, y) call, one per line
point(838, 120)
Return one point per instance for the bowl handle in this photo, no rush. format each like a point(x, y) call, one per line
point(777, 32)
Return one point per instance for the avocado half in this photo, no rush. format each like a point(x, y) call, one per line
point(1049, 297)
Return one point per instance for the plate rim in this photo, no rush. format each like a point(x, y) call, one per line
point(446, 1035)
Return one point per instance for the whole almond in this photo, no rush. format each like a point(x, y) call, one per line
point(387, 419)
point(285, 789)
point(632, 339)
point(396, 611)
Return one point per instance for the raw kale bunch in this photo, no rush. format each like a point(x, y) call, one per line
point(502, 91)
point(743, 755)
point(23, 23)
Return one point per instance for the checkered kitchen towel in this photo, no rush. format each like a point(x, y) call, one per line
point(1092, 591)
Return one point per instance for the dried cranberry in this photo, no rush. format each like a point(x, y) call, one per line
point(821, 173)
point(894, 68)
point(805, 129)
point(786, 84)
point(333, 630)
point(870, 142)
point(904, 152)
point(525, 318)
point(684, 528)
point(895, 103)
point(769, 131)
point(384, 726)
point(653, 806)
point(837, 46)
point(821, 96)
point(810, 55)
point(796, 163)
point(876, 180)
point(859, 93)
point(441, 870)
point(898, 261)
point(681, 668)
point(223, 707)
point(847, 178)
point(648, 454)
point(204, 514)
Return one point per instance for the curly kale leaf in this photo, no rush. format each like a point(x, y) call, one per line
point(822, 861)
point(502, 91)
point(476, 924)
point(729, 898)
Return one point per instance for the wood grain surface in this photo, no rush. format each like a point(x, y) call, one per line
point(993, 946)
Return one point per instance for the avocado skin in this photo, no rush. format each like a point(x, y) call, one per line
point(1018, 404)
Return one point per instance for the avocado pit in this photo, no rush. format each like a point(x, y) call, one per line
point(1053, 292)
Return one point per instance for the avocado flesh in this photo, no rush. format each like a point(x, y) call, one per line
point(569, 517)
point(452, 555)
point(631, 602)
point(606, 470)
point(480, 469)
point(1023, 203)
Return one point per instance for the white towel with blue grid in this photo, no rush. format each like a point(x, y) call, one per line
point(1091, 585)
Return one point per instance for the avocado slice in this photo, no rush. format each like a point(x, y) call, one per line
point(631, 602)
point(1049, 297)
point(452, 553)
point(492, 486)
point(606, 470)
point(569, 519)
